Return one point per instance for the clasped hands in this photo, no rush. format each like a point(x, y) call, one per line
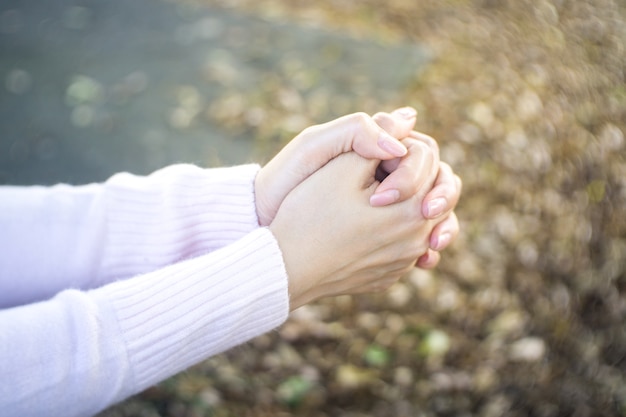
point(353, 208)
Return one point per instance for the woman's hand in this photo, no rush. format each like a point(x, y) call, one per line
point(316, 145)
point(398, 184)
point(334, 242)
point(438, 206)
point(371, 138)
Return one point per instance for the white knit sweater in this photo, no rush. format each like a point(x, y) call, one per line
point(107, 289)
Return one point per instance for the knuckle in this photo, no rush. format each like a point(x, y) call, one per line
point(380, 115)
point(455, 225)
point(432, 143)
point(425, 150)
point(448, 191)
point(445, 167)
point(309, 131)
point(449, 176)
point(459, 182)
point(422, 146)
point(384, 120)
point(360, 119)
point(429, 140)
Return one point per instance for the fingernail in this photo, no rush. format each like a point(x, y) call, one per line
point(441, 241)
point(436, 207)
point(406, 112)
point(392, 146)
point(384, 198)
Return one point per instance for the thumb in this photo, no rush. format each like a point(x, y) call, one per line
point(360, 133)
point(315, 146)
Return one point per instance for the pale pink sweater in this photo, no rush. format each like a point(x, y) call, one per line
point(107, 289)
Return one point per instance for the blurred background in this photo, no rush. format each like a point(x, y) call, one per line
point(526, 315)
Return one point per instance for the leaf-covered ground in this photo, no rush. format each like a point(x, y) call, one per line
point(526, 316)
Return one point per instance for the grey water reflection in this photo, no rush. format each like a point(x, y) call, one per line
point(91, 88)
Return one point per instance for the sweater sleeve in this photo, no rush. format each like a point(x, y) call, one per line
point(83, 237)
point(82, 351)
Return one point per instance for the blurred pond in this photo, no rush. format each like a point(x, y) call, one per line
point(91, 87)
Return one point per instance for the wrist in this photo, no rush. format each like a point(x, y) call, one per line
point(264, 199)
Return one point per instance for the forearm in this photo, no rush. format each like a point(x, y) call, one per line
point(61, 237)
point(51, 238)
point(83, 351)
point(177, 213)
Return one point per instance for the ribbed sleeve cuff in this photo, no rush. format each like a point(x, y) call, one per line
point(176, 213)
point(175, 317)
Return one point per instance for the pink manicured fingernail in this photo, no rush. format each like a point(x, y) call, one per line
point(441, 241)
point(384, 198)
point(392, 146)
point(435, 207)
point(406, 112)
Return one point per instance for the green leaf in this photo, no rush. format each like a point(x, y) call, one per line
point(293, 390)
point(376, 356)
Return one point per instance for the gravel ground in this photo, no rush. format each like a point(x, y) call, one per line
point(526, 314)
